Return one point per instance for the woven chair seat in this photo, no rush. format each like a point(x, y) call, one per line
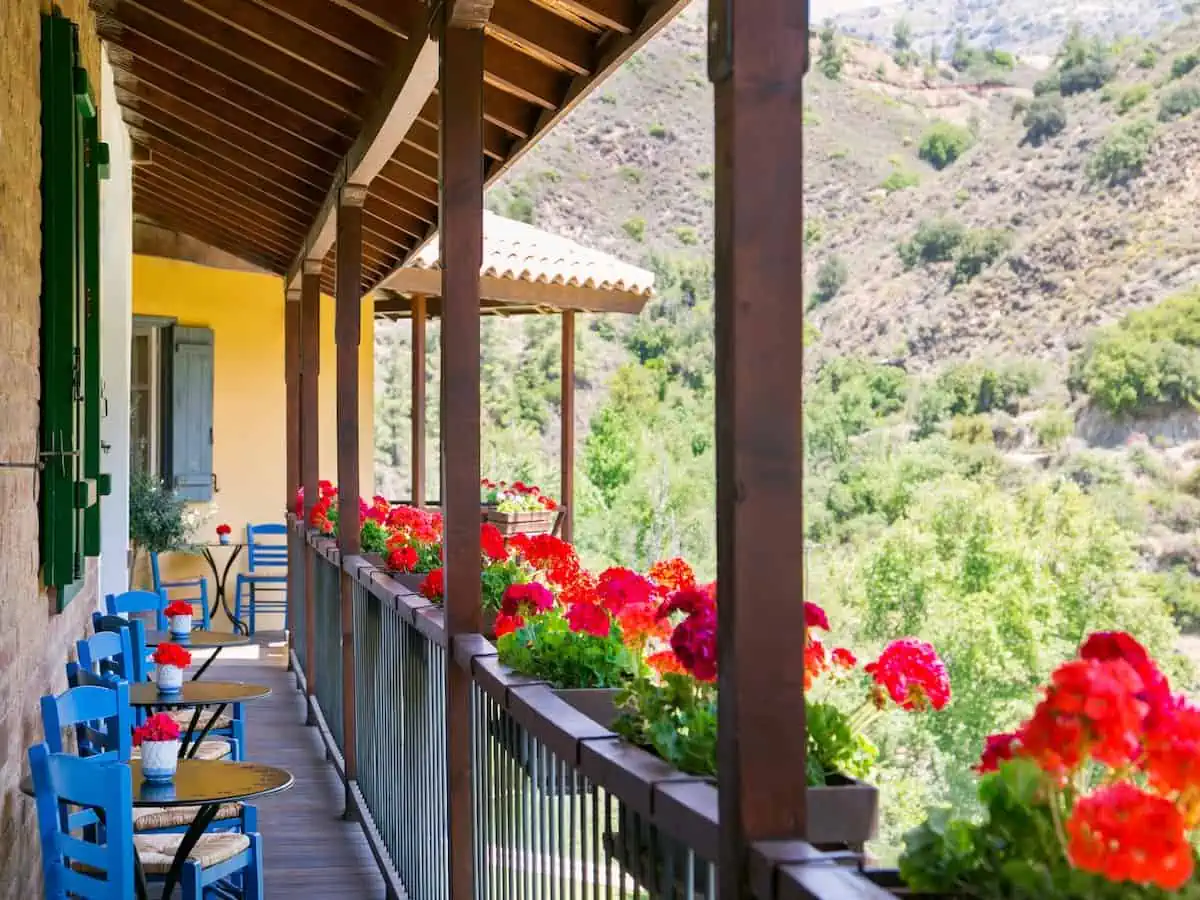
point(157, 851)
point(215, 749)
point(183, 718)
point(155, 817)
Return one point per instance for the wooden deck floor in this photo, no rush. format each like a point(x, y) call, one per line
point(311, 852)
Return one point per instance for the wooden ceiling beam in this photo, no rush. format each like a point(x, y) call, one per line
point(520, 75)
point(364, 37)
point(535, 27)
point(217, 217)
point(411, 79)
point(395, 16)
point(160, 107)
point(413, 160)
point(175, 131)
point(221, 237)
point(163, 182)
point(134, 52)
point(410, 182)
point(204, 171)
point(269, 29)
point(495, 138)
point(619, 15)
point(240, 108)
point(397, 206)
point(177, 24)
point(467, 13)
point(234, 194)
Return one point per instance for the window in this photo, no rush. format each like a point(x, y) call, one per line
point(73, 162)
point(171, 405)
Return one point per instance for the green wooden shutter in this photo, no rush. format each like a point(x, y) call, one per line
point(191, 429)
point(70, 310)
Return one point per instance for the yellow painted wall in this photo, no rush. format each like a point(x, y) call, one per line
point(245, 312)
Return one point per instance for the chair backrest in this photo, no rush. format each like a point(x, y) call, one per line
point(99, 712)
point(138, 602)
point(140, 660)
point(107, 652)
point(266, 554)
point(60, 779)
point(155, 571)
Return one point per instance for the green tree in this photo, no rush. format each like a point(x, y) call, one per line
point(1045, 118)
point(831, 56)
point(831, 278)
point(1123, 153)
point(943, 143)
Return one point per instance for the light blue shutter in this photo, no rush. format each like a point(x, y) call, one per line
point(192, 413)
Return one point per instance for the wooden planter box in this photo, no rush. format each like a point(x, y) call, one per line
point(598, 704)
point(539, 522)
point(843, 813)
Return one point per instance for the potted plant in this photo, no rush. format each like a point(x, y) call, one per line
point(170, 660)
point(179, 619)
point(158, 738)
point(1095, 797)
point(519, 508)
point(500, 568)
point(223, 532)
point(413, 547)
point(156, 519)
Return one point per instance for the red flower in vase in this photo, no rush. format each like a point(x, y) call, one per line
point(402, 558)
point(913, 675)
point(158, 727)
point(589, 618)
point(169, 654)
point(224, 530)
point(178, 608)
point(1126, 834)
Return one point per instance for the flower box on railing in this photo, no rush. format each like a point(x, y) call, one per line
point(598, 704)
point(536, 522)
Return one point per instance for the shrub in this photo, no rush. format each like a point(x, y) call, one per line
point(900, 180)
point(1132, 96)
point(974, 388)
point(658, 131)
point(943, 143)
point(1123, 153)
point(974, 430)
point(935, 240)
point(979, 249)
point(1090, 76)
point(830, 58)
point(687, 235)
point(1182, 65)
point(813, 231)
point(1048, 85)
point(1002, 58)
point(1148, 59)
point(1046, 117)
point(831, 278)
point(1053, 426)
point(635, 228)
point(1179, 102)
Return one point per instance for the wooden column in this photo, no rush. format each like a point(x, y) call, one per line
point(418, 400)
point(310, 459)
point(567, 459)
point(758, 53)
point(291, 378)
point(461, 98)
point(348, 337)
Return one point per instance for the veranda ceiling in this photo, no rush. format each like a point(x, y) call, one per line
point(255, 112)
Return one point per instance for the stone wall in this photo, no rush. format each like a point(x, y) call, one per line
point(34, 640)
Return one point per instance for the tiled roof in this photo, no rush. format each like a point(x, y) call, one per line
point(520, 252)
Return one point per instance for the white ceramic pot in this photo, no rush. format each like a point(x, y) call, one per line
point(160, 759)
point(169, 678)
point(179, 626)
point(223, 538)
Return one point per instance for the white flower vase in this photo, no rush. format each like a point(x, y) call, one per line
point(223, 538)
point(160, 758)
point(169, 678)
point(180, 626)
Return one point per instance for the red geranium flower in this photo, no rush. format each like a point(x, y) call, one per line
point(1107, 645)
point(158, 727)
point(178, 608)
point(402, 558)
point(526, 598)
point(672, 575)
point(814, 616)
point(506, 624)
point(665, 662)
point(694, 641)
point(1091, 708)
point(492, 542)
point(844, 658)
point(224, 529)
point(1126, 834)
point(589, 619)
point(169, 654)
point(815, 662)
point(1000, 748)
point(619, 587)
point(433, 587)
point(639, 622)
point(1172, 756)
point(912, 674)
point(552, 556)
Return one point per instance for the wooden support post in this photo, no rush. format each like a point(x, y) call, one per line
point(291, 377)
point(348, 337)
point(461, 155)
point(567, 460)
point(418, 400)
point(758, 52)
point(310, 460)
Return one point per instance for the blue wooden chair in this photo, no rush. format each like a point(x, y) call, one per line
point(198, 584)
point(230, 727)
point(74, 867)
point(267, 571)
point(107, 652)
point(132, 602)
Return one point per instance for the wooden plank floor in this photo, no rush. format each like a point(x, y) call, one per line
point(311, 852)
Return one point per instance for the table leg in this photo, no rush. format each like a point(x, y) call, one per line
point(199, 825)
point(208, 662)
point(203, 734)
point(187, 737)
point(221, 579)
